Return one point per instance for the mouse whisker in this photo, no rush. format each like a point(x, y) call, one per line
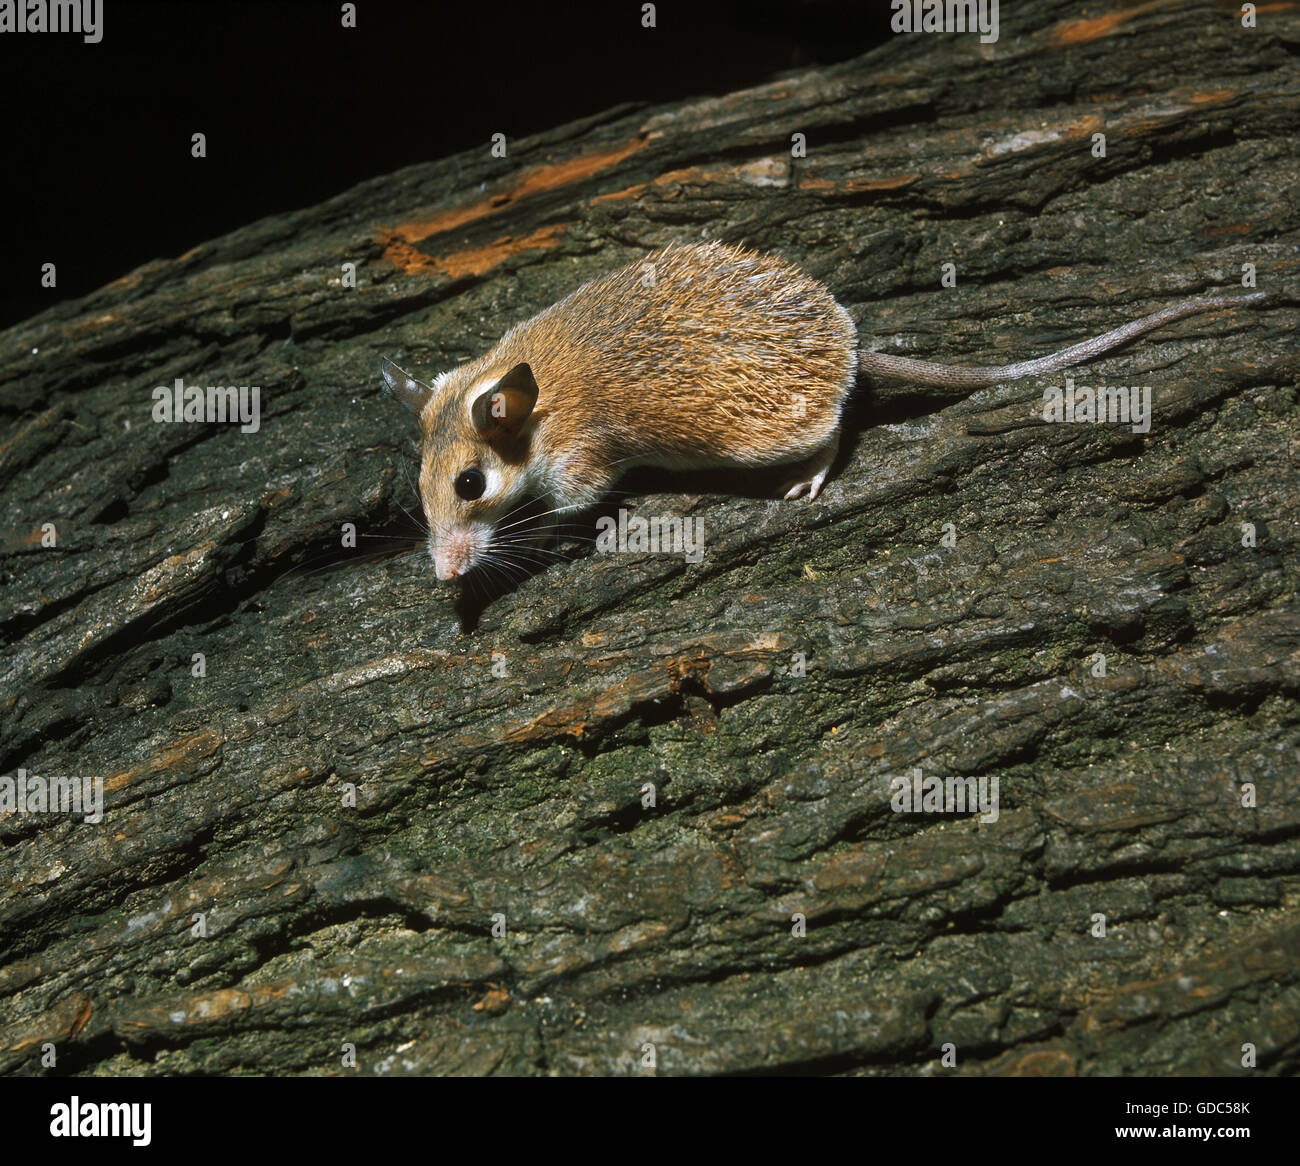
point(528, 544)
point(529, 501)
point(516, 573)
point(370, 556)
point(512, 575)
point(407, 469)
point(511, 553)
point(521, 553)
point(412, 517)
point(535, 518)
point(535, 557)
point(498, 578)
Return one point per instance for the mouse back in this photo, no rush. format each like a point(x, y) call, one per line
point(696, 355)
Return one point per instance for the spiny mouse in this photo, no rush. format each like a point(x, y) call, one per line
point(697, 356)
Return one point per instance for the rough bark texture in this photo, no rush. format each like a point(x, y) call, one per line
point(518, 789)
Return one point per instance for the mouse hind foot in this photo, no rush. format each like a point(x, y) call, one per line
point(813, 473)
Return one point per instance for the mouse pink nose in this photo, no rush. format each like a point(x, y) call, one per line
point(454, 555)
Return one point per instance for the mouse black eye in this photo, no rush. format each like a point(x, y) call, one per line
point(470, 484)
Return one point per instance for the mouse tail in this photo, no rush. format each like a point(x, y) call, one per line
point(880, 365)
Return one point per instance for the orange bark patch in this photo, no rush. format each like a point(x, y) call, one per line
point(856, 185)
point(1038, 1063)
point(79, 1021)
point(1213, 95)
point(182, 751)
point(574, 169)
point(474, 261)
point(62, 1022)
point(1081, 31)
point(763, 171)
point(494, 1003)
point(1077, 32)
point(529, 181)
point(1230, 229)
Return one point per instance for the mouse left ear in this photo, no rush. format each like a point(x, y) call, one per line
point(412, 393)
point(507, 405)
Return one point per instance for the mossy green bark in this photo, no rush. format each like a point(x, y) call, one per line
point(370, 772)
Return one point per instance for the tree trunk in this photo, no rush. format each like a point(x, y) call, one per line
point(321, 787)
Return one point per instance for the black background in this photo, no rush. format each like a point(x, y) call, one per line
point(98, 176)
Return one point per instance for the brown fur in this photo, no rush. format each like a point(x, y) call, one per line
point(695, 356)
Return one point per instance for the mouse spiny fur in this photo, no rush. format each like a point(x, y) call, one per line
point(697, 356)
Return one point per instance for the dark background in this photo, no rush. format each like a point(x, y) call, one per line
point(98, 176)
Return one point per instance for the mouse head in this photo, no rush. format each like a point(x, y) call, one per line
point(475, 446)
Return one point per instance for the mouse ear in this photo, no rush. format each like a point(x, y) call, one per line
point(412, 393)
point(506, 406)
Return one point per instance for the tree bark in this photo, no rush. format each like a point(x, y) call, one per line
point(307, 846)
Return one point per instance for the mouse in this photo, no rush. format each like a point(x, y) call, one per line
point(697, 356)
